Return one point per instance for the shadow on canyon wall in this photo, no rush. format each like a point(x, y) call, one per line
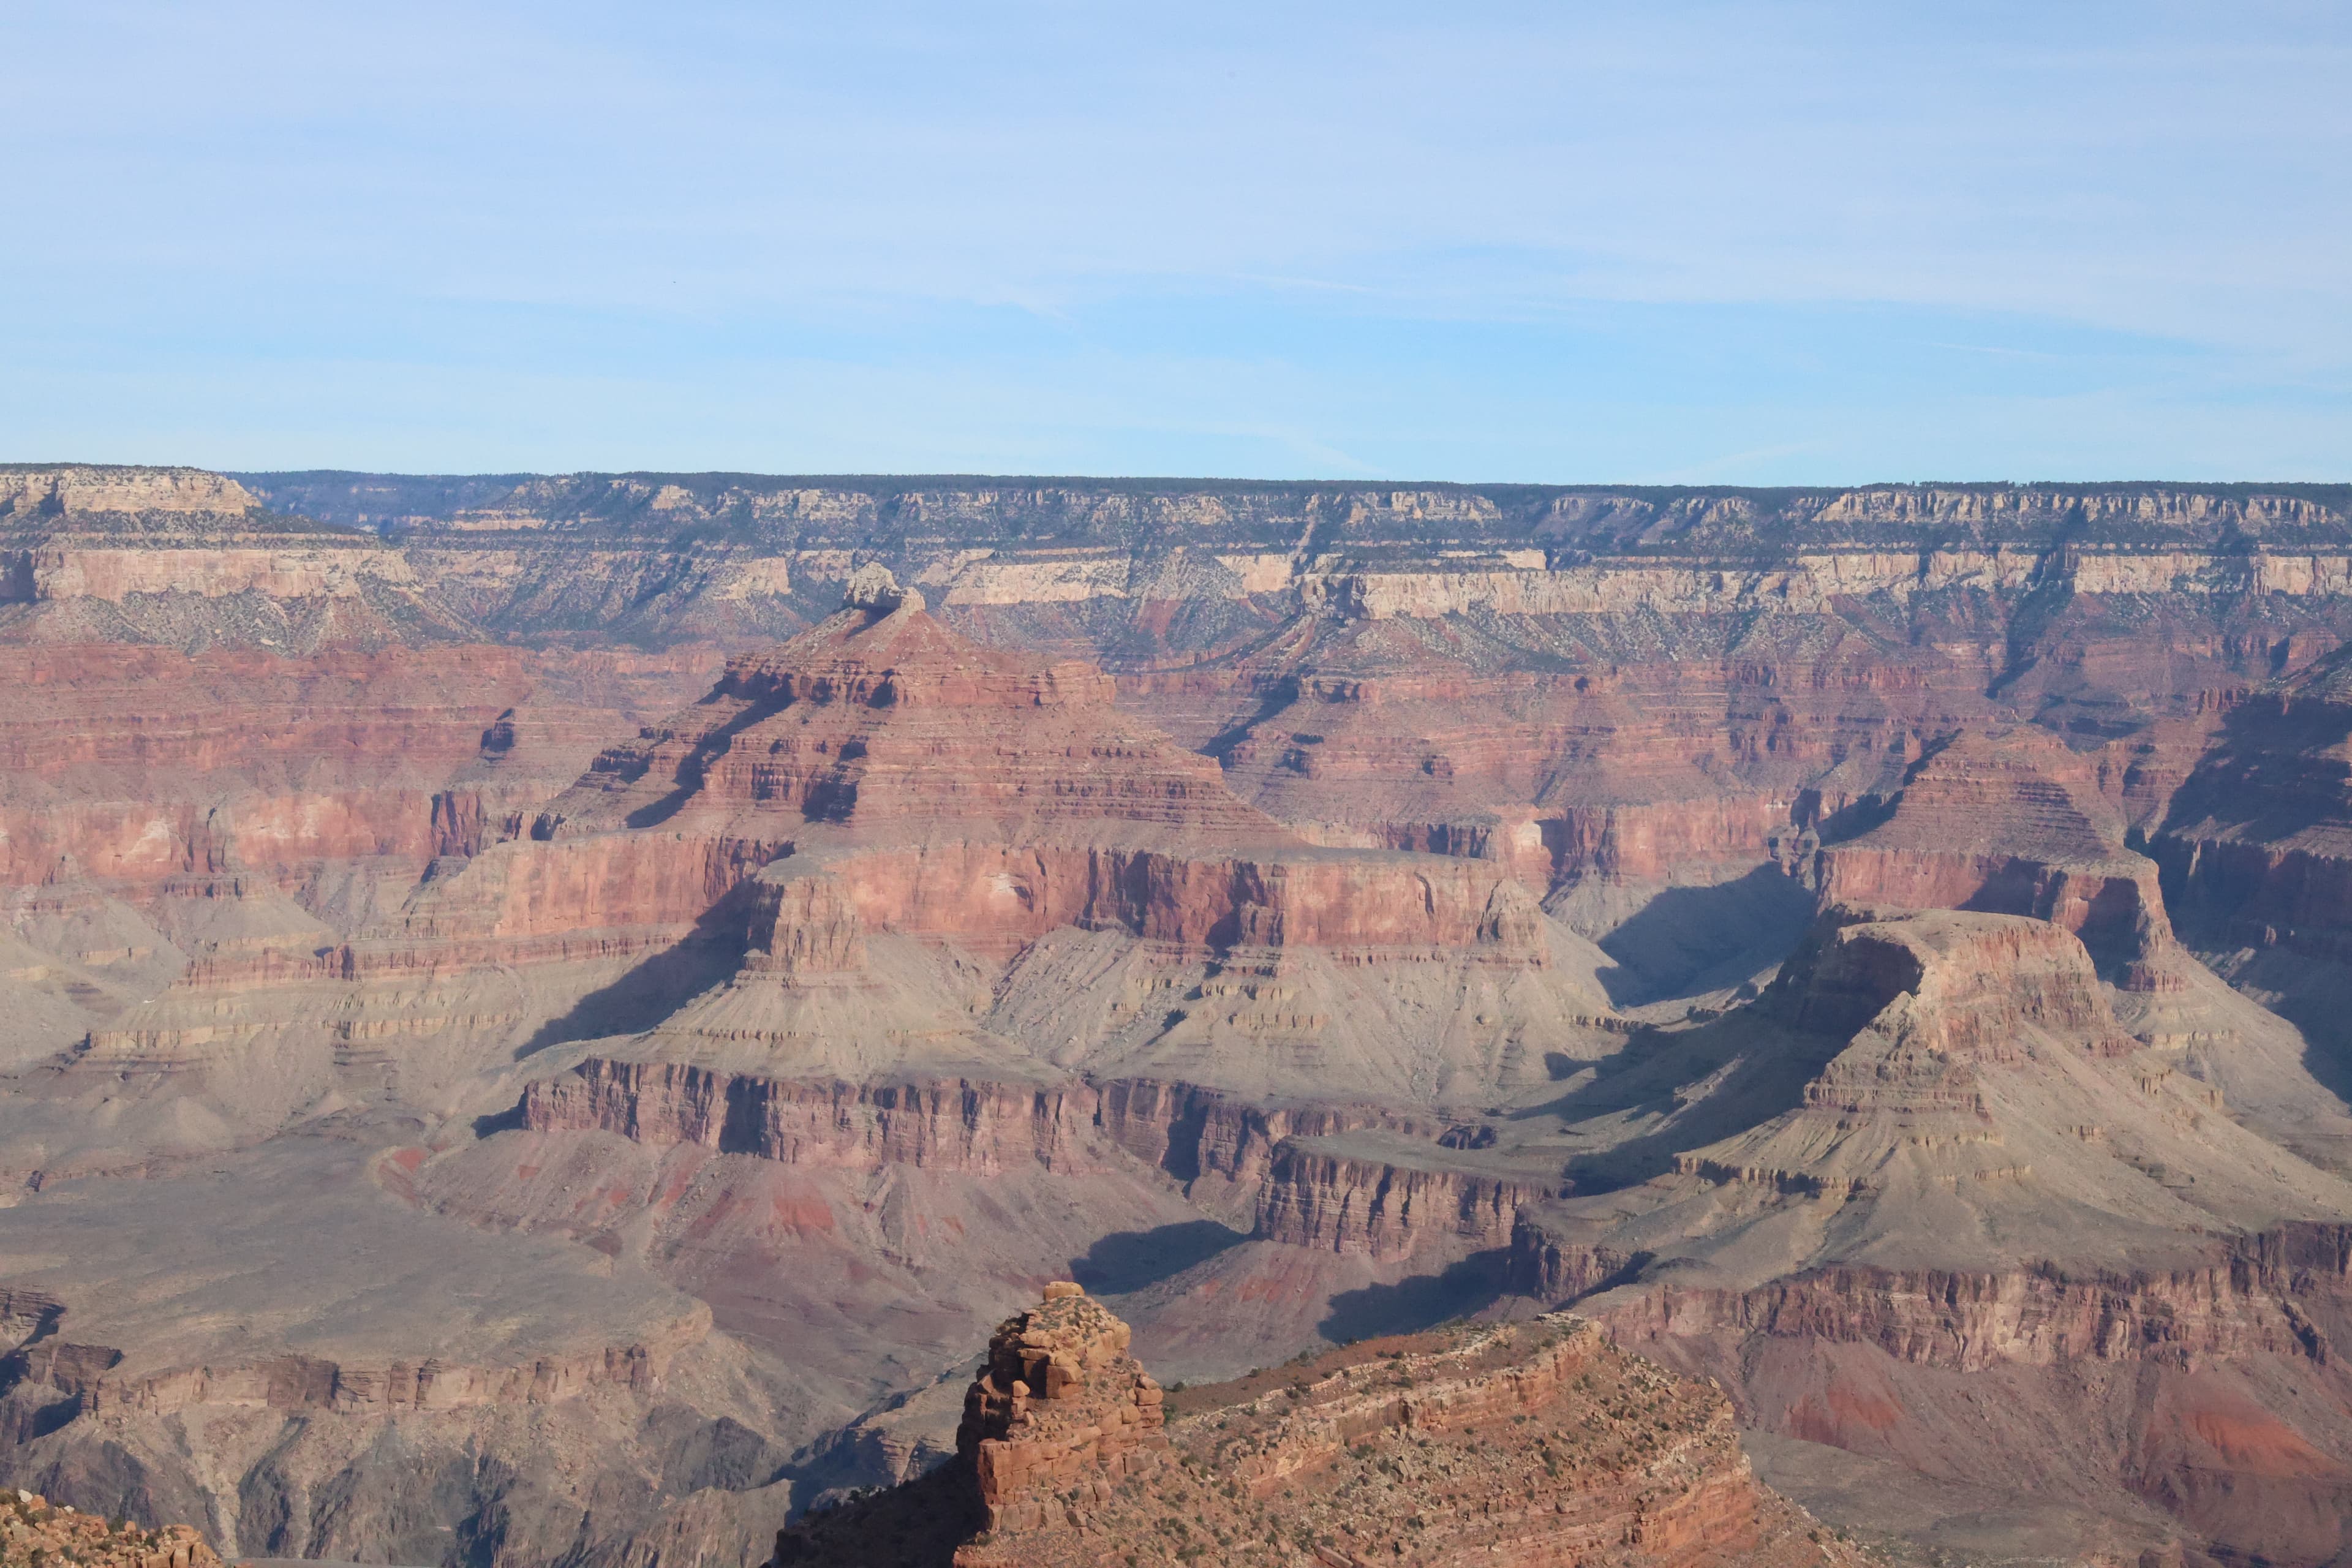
point(1687, 941)
point(1421, 1301)
point(655, 987)
point(1128, 1260)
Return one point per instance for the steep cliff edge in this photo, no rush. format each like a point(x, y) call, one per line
point(2011, 821)
point(180, 556)
point(1528, 1445)
point(2256, 852)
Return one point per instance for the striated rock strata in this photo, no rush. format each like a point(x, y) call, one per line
point(1533, 1444)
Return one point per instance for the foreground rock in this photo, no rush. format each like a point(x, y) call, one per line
point(33, 1533)
point(1532, 1444)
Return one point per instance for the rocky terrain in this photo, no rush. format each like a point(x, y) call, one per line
point(32, 1532)
point(1533, 1443)
point(548, 1016)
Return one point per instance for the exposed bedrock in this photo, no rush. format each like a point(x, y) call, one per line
point(992, 897)
point(1218, 891)
point(857, 754)
point(2203, 1405)
point(1283, 1173)
point(141, 763)
point(2013, 823)
point(1524, 1445)
point(1317, 1196)
point(311, 1383)
point(1057, 1401)
point(524, 899)
point(1948, 990)
point(961, 1125)
point(2281, 1292)
point(1962, 1166)
point(238, 1345)
point(2257, 848)
point(1207, 1135)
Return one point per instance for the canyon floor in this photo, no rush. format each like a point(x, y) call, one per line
point(547, 1019)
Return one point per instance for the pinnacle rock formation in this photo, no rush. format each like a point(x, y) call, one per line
point(1058, 1405)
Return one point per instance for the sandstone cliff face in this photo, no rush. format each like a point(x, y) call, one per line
point(1319, 1195)
point(2255, 847)
point(2012, 821)
point(1272, 522)
point(2265, 1295)
point(1533, 1444)
point(28, 495)
point(980, 1128)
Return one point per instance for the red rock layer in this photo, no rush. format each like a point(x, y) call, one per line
point(1383, 1209)
point(2213, 1391)
point(887, 719)
point(2263, 1294)
point(1530, 1444)
point(1622, 771)
point(1059, 1403)
point(144, 762)
point(2012, 823)
point(33, 1533)
point(933, 788)
point(997, 897)
point(961, 1125)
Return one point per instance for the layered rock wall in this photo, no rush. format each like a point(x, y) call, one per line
point(1386, 1210)
point(961, 1125)
point(2246, 1304)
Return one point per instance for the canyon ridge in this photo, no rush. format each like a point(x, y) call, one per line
point(551, 1018)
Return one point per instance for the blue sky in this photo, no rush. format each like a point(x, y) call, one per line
point(1729, 243)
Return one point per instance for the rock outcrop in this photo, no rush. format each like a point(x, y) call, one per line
point(1058, 1407)
point(1911, 1068)
point(1533, 1444)
point(33, 1533)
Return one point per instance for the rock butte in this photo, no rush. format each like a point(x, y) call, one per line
point(553, 1015)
